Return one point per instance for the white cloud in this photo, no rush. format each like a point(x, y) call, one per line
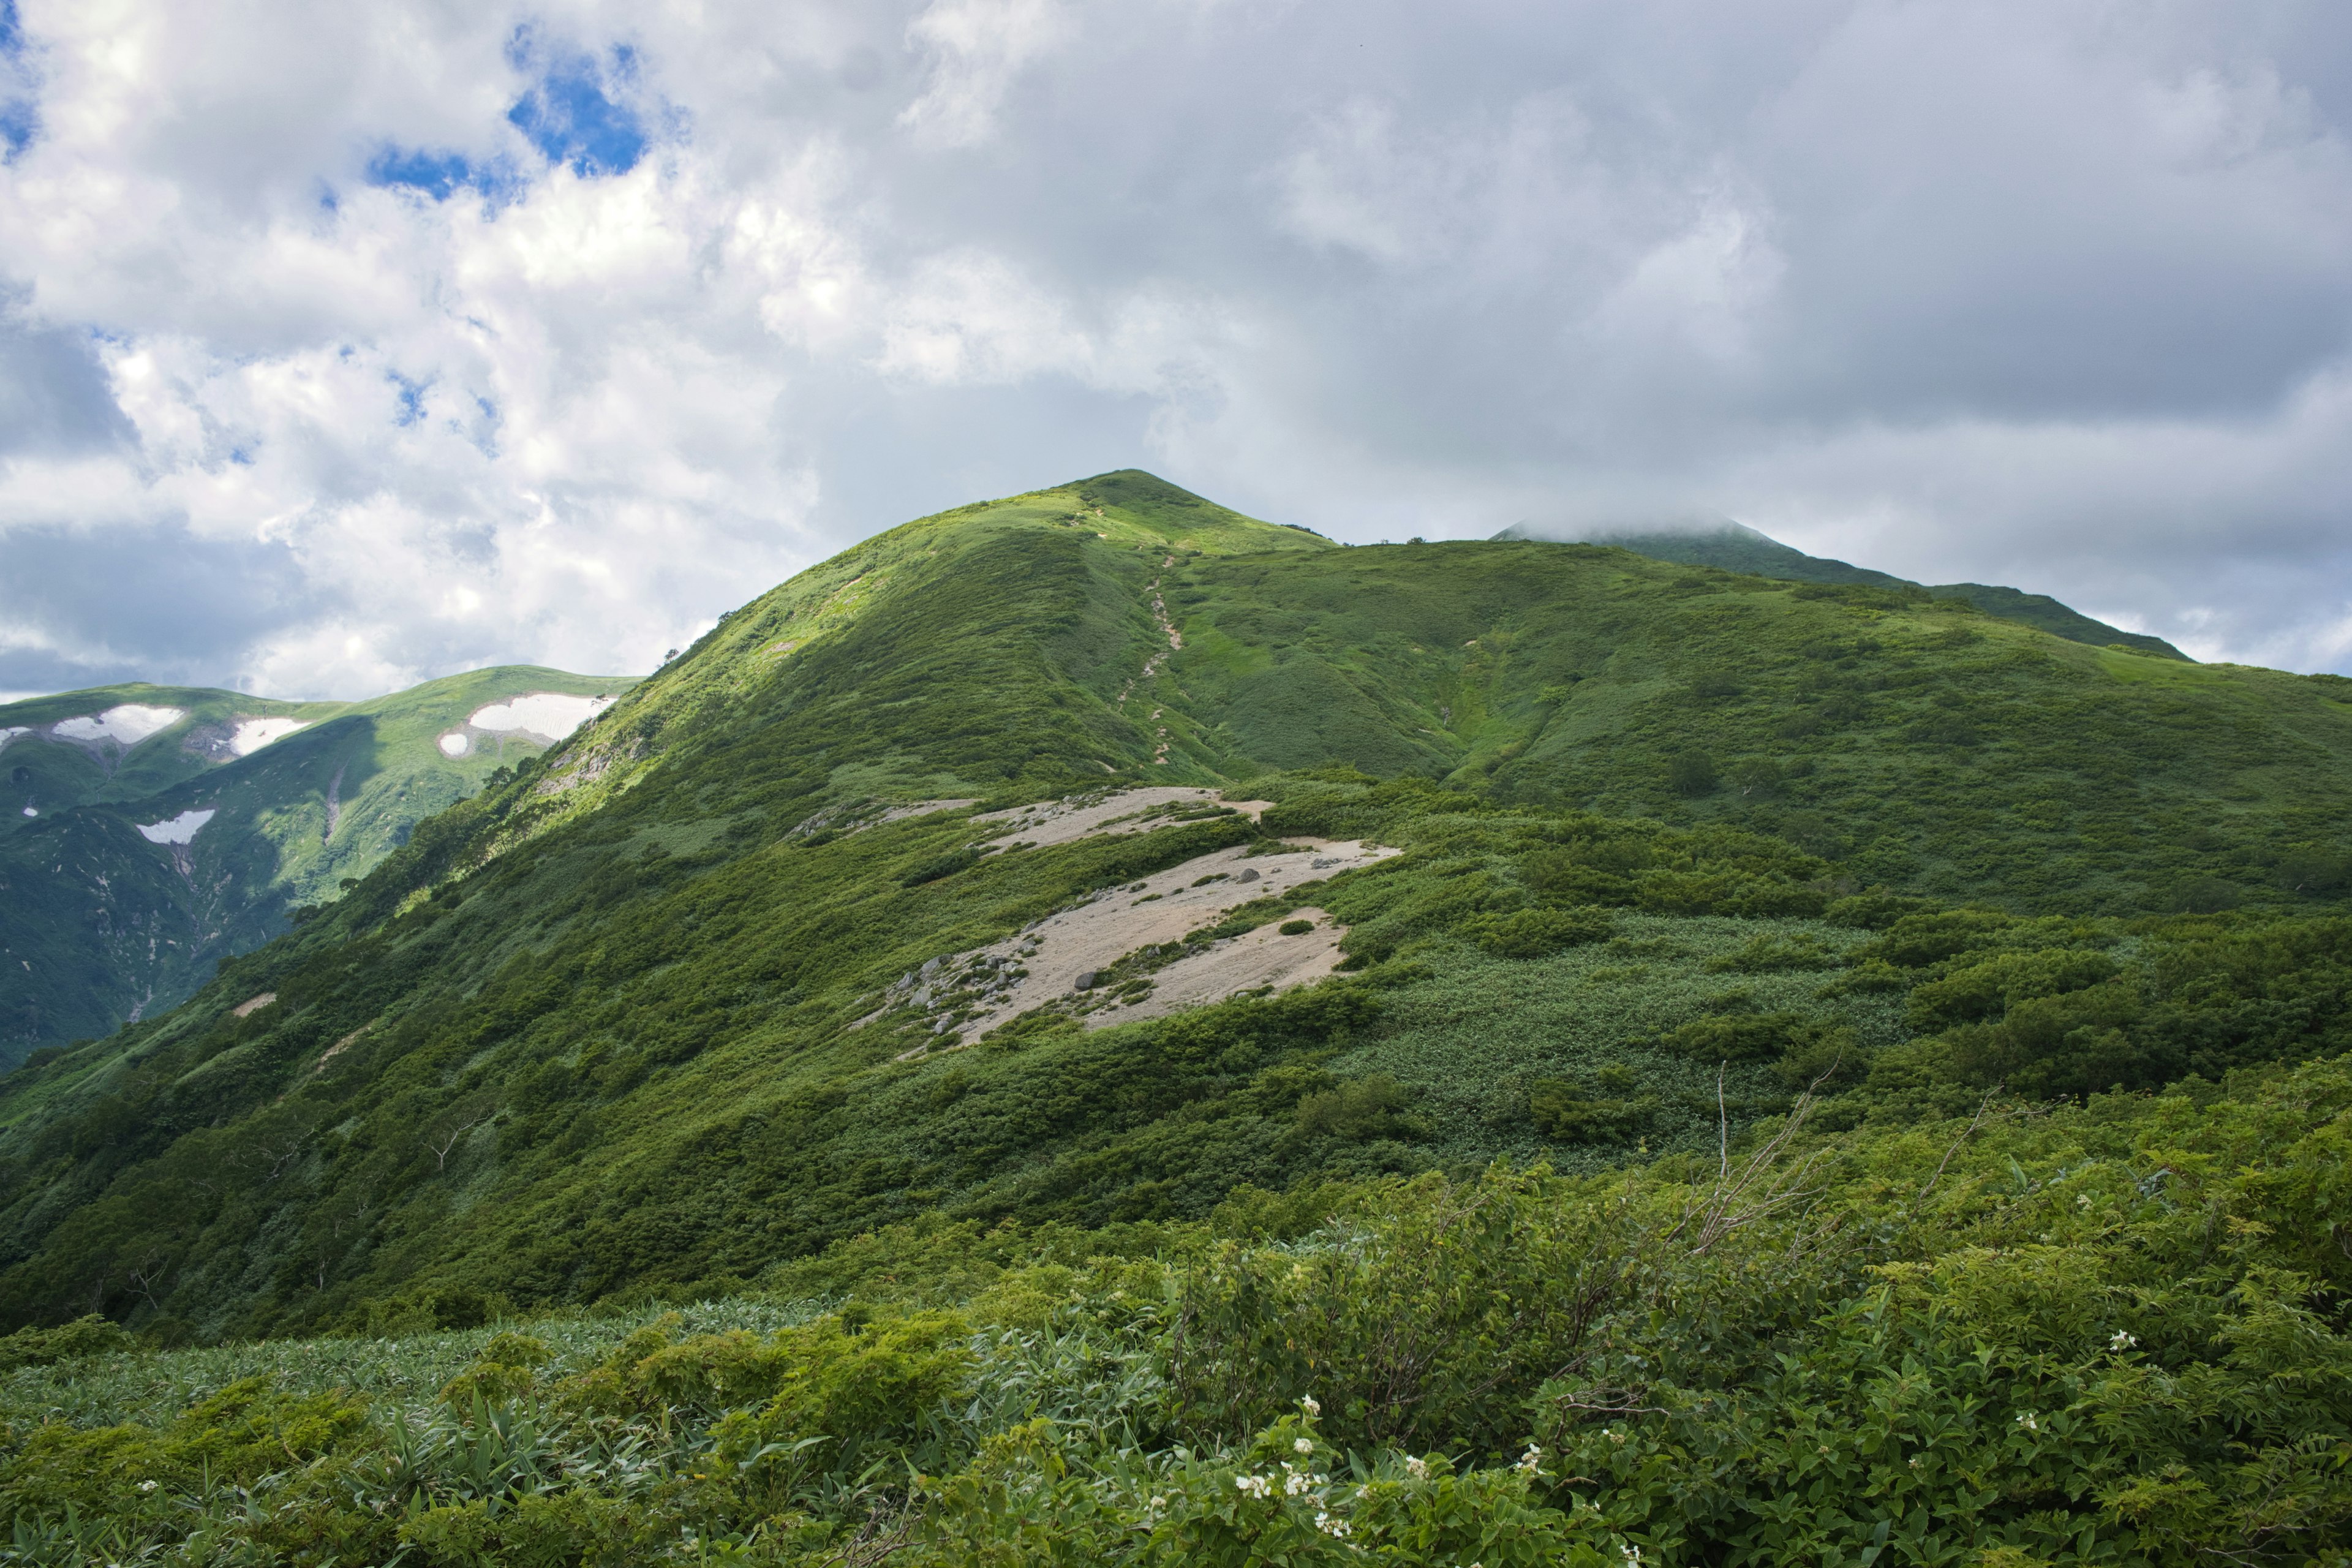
point(976, 49)
point(1999, 291)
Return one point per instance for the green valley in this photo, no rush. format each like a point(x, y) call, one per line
point(147, 832)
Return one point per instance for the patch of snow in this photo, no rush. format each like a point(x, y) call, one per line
point(455, 744)
point(549, 714)
point(181, 829)
point(10, 732)
point(126, 725)
point(30, 812)
point(251, 734)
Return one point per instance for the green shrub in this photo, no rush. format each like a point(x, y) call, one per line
point(1563, 1110)
point(87, 1336)
point(1539, 933)
point(1741, 1037)
point(1370, 1107)
point(941, 867)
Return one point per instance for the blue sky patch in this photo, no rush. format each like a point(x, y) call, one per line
point(439, 175)
point(19, 122)
point(20, 117)
point(572, 115)
point(412, 398)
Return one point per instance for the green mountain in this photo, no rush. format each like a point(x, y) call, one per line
point(147, 832)
point(665, 1004)
point(1735, 547)
point(1088, 1000)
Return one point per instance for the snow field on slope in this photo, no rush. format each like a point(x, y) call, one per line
point(181, 829)
point(251, 734)
point(546, 716)
point(550, 715)
point(126, 725)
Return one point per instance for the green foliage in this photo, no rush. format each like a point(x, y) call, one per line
point(1361, 1109)
point(2109, 1335)
point(1693, 773)
point(1562, 1109)
point(940, 866)
point(1539, 933)
point(85, 1336)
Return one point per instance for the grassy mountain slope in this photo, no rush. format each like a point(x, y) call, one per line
point(1734, 547)
point(100, 925)
point(1676, 845)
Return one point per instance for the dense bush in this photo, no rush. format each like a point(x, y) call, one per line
point(2113, 1334)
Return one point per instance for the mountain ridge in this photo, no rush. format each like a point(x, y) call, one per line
point(150, 830)
point(694, 993)
point(1736, 547)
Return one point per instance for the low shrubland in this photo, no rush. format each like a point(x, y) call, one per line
point(2112, 1333)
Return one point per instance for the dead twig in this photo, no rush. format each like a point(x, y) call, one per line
point(1974, 1122)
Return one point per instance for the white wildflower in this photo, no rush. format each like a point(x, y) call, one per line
point(1310, 1406)
point(1633, 1555)
point(2083, 1201)
point(1416, 1467)
point(1334, 1528)
point(1293, 1483)
point(1158, 1503)
point(1254, 1486)
point(1530, 1460)
point(148, 1485)
point(2120, 1340)
point(1303, 1446)
point(1615, 1437)
point(2029, 1423)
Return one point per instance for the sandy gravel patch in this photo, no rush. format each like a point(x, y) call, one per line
point(1125, 810)
point(1047, 962)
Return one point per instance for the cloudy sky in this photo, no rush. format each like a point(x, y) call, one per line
point(341, 346)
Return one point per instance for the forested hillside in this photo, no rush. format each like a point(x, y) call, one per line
point(1112, 992)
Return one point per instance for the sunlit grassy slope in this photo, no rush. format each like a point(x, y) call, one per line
point(98, 925)
point(1675, 844)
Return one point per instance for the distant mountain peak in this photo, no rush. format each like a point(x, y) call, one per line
point(1705, 538)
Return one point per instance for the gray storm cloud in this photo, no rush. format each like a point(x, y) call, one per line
point(549, 333)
